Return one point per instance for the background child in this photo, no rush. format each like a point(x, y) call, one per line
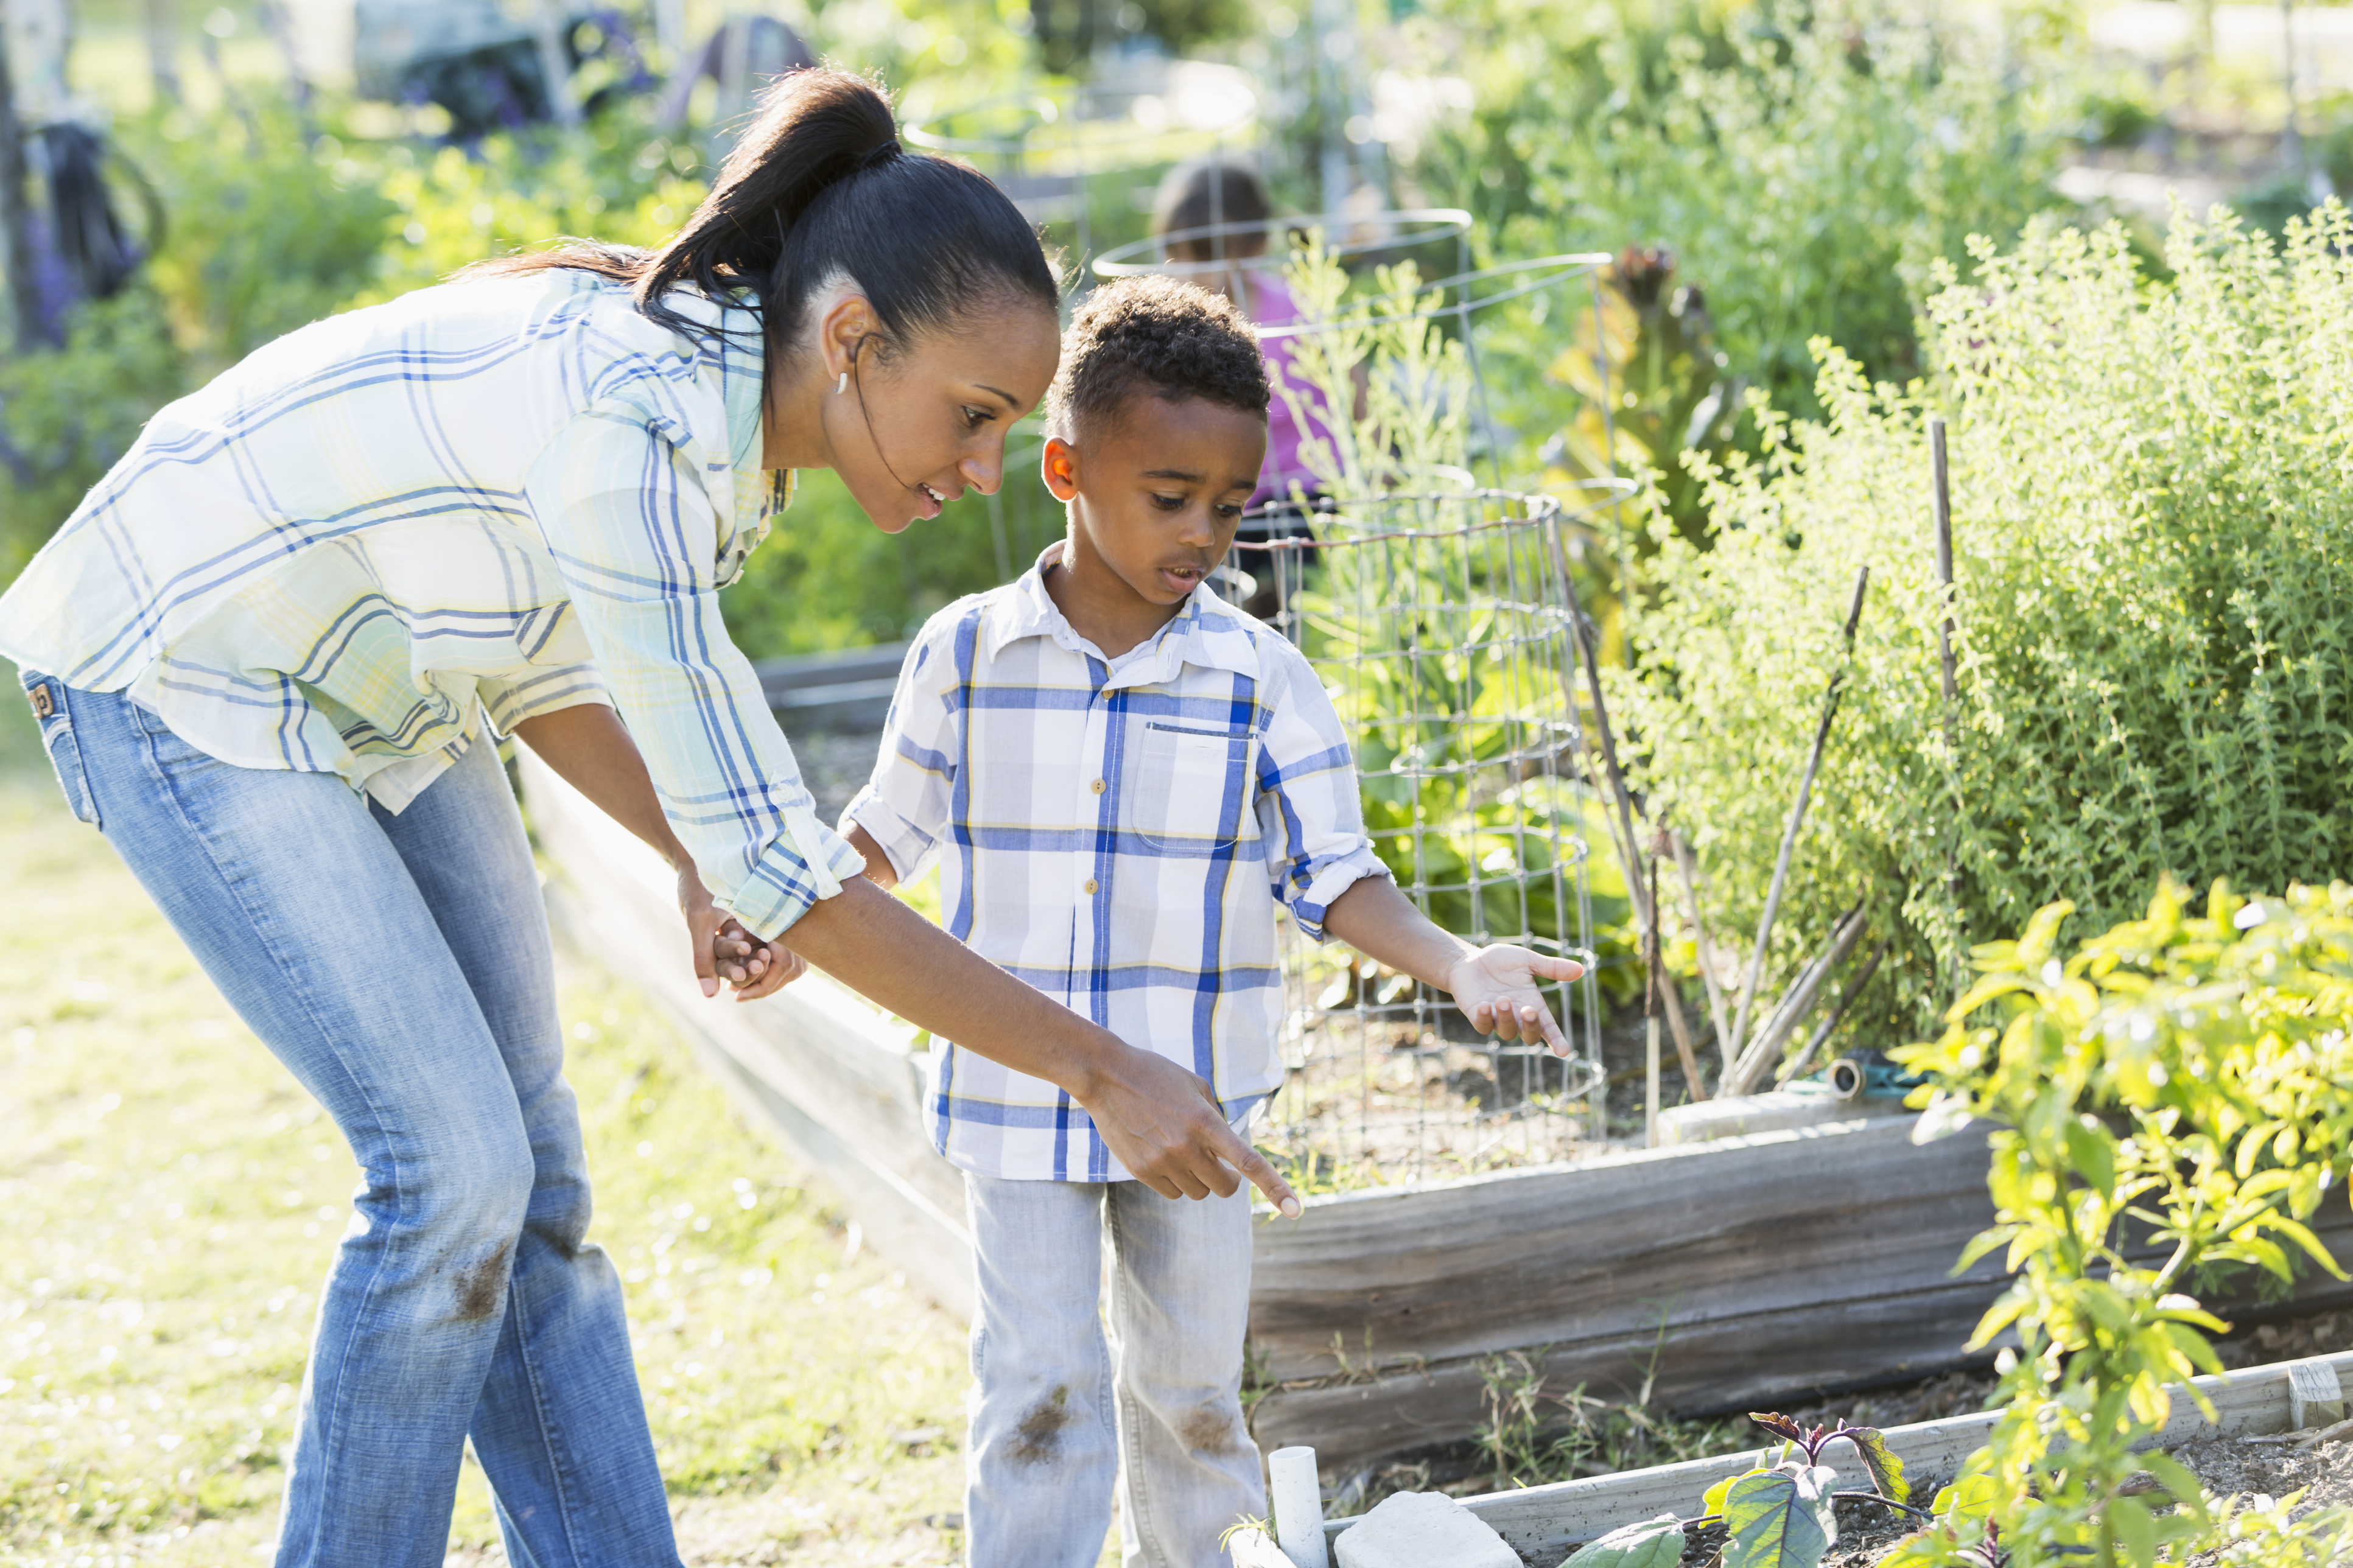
point(1228, 198)
point(1120, 775)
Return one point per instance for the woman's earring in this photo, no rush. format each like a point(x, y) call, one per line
point(843, 384)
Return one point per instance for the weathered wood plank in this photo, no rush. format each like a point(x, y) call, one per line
point(1562, 1255)
point(1733, 1363)
point(1544, 1523)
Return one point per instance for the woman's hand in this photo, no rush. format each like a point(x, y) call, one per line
point(724, 950)
point(1500, 990)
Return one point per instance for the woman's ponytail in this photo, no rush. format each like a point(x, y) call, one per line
point(817, 187)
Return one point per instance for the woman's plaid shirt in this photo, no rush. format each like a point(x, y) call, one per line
point(1117, 833)
point(510, 496)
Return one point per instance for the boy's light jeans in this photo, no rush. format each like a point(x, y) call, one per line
point(1058, 1410)
point(399, 966)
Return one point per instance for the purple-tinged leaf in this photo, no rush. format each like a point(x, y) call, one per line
point(1885, 1464)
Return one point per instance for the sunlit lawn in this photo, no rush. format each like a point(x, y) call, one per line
point(169, 1198)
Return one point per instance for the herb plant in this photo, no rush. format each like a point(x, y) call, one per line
point(2153, 526)
point(2174, 1094)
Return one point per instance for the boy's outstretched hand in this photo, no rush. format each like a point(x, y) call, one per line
point(1499, 990)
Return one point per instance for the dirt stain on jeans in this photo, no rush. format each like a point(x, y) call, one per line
point(1207, 1429)
point(1039, 1438)
point(482, 1289)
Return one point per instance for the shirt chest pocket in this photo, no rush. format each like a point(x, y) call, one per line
point(1188, 790)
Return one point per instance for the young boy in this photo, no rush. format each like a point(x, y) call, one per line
point(1120, 775)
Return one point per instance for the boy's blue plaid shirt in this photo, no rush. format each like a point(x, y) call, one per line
point(1116, 832)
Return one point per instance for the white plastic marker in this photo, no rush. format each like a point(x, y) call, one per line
point(1298, 1501)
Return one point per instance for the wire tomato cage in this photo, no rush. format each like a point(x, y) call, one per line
point(1441, 626)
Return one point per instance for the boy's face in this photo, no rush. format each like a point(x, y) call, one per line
point(1155, 494)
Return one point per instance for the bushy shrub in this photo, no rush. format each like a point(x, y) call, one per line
point(2173, 1095)
point(65, 416)
point(2153, 522)
point(1805, 164)
point(266, 230)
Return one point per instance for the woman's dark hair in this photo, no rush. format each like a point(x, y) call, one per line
point(1153, 336)
point(818, 187)
point(1197, 195)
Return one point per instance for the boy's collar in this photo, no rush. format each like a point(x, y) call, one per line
point(1206, 631)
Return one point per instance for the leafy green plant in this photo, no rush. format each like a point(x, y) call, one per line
point(268, 230)
point(1647, 355)
point(1780, 1514)
point(65, 416)
point(2151, 518)
point(1806, 163)
point(2174, 1093)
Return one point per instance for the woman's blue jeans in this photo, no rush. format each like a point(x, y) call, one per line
point(400, 967)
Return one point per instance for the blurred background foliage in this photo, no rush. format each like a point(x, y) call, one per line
point(1774, 171)
point(1776, 181)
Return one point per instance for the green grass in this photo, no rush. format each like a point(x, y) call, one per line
point(169, 1198)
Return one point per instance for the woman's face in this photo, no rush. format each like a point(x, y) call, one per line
point(920, 427)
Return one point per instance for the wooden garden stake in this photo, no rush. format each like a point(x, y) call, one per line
point(1651, 1016)
point(1940, 474)
point(1804, 1058)
point(1661, 843)
point(1622, 827)
point(547, 29)
point(163, 51)
point(2315, 1395)
point(1690, 875)
point(1757, 1056)
point(1797, 822)
point(1944, 567)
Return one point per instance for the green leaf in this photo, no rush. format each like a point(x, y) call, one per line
point(1712, 1503)
point(2094, 1154)
point(1984, 1241)
point(1653, 1543)
point(2177, 1479)
point(1780, 1518)
point(1971, 1498)
point(2136, 1531)
point(2296, 1232)
point(1886, 1466)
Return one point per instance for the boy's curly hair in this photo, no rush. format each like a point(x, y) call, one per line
point(1158, 335)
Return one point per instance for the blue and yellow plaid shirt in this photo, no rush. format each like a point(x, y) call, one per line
point(509, 497)
point(1117, 833)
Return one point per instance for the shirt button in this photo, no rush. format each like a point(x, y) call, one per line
point(1091, 885)
point(1099, 787)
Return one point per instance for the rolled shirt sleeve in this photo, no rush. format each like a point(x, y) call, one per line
point(629, 518)
point(904, 808)
point(1309, 817)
